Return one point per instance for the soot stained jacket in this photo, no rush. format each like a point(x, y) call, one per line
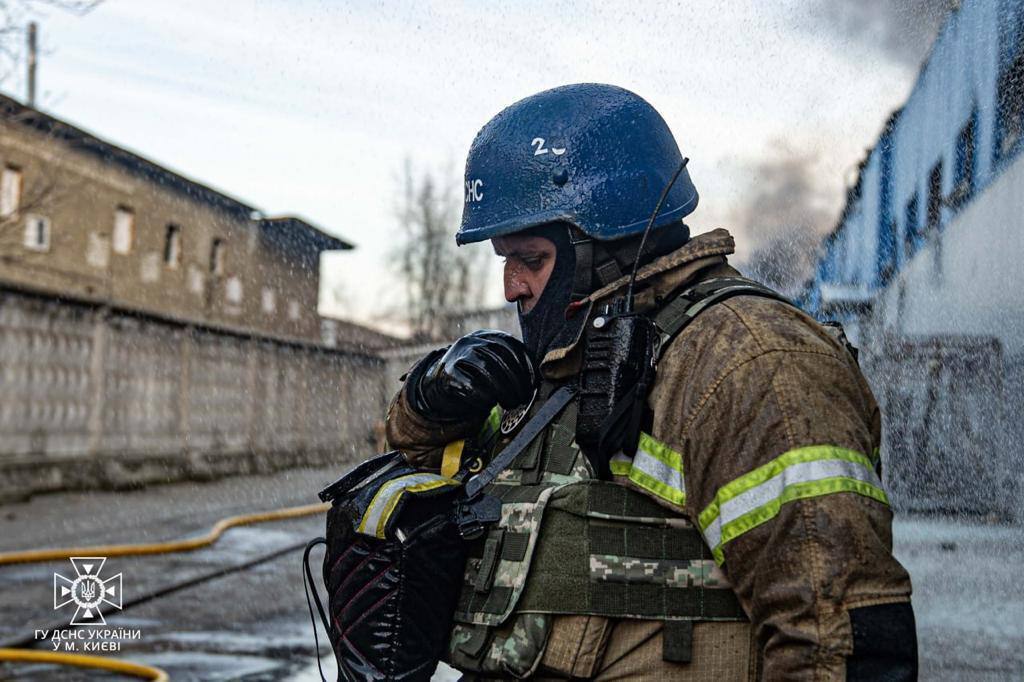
point(775, 436)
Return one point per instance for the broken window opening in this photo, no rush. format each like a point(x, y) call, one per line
point(217, 257)
point(172, 246)
point(124, 230)
point(10, 191)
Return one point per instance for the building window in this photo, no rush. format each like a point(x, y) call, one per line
point(912, 230)
point(268, 301)
point(1010, 101)
point(963, 176)
point(217, 257)
point(934, 198)
point(37, 233)
point(172, 246)
point(887, 253)
point(293, 310)
point(10, 191)
point(124, 230)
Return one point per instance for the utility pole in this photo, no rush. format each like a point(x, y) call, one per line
point(32, 63)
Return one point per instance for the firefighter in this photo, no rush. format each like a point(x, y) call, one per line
point(748, 536)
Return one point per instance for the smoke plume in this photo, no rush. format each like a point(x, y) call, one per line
point(784, 214)
point(903, 30)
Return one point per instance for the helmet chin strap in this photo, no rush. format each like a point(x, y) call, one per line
point(584, 250)
point(599, 263)
point(594, 264)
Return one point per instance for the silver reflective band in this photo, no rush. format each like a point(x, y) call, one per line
point(773, 489)
point(658, 470)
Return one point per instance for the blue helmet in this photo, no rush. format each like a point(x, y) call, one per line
point(595, 156)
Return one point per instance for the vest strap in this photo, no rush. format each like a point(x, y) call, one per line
point(489, 561)
point(677, 641)
point(678, 313)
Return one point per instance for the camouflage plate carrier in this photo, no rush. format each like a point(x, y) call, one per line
point(570, 544)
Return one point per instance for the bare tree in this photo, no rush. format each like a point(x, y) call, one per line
point(40, 194)
point(439, 278)
point(14, 18)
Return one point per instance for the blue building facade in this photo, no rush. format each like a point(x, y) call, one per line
point(959, 129)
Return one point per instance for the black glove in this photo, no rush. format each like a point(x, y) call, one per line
point(464, 381)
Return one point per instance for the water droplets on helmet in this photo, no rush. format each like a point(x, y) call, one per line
point(596, 156)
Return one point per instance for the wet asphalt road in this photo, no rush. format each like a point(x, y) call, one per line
point(251, 624)
point(254, 624)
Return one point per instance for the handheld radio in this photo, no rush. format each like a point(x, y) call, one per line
point(619, 360)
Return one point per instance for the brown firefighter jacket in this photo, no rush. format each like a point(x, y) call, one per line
point(777, 431)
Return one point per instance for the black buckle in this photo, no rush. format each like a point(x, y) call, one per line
point(473, 516)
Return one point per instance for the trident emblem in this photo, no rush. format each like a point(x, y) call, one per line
point(87, 590)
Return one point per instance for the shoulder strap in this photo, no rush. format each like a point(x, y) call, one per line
point(548, 411)
point(674, 317)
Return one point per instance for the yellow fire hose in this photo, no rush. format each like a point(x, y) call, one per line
point(186, 545)
point(167, 547)
point(83, 661)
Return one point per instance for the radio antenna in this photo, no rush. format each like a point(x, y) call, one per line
point(647, 231)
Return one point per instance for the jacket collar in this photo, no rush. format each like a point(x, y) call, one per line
point(654, 281)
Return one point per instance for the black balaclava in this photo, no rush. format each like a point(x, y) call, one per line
point(545, 327)
point(541, 326)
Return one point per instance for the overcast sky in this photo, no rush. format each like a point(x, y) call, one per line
point(310, 107)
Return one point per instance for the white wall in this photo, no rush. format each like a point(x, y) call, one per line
point(968, 279)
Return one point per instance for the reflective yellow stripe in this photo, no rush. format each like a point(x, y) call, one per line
point(661, 452)
point(452, 458)
point(378, 512)
point(494, 419)
point(756, 497)
point(656, 468)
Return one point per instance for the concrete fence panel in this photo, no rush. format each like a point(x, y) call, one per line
point(99, 397)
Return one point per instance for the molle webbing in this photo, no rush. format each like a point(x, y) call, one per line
point(501, 546)
point(551, 452)
point(608, 551)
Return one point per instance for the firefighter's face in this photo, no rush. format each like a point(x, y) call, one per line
point(528, 265)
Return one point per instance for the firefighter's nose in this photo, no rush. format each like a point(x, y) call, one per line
point(516, 286)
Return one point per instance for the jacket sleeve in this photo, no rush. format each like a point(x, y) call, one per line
point(421, 440)
point(780, 433)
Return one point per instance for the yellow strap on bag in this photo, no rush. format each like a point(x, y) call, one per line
point(452, 459)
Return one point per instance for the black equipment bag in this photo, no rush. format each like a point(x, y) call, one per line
point(397, 542)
